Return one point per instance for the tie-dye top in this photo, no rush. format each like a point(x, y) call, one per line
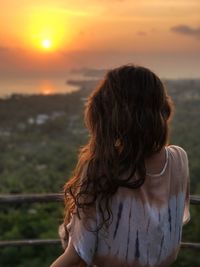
point(147, 222)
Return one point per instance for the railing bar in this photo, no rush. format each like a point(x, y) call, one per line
point(30, 198)
point(30, 242)
point(195, 199)
point(54, 197)
point(190, 245)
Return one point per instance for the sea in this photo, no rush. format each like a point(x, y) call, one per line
point(38, 85)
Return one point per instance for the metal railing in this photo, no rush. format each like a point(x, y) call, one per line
point(53, 197)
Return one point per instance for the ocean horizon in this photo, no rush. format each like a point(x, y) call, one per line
point(47, 85)
point(38, 85)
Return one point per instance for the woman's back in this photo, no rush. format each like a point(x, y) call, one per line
point(147, 222)
point(133, 177)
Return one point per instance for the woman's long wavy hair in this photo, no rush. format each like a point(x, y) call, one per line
point(127, 118)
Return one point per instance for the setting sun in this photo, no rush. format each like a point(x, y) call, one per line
point(46, 30)
point(47, 44)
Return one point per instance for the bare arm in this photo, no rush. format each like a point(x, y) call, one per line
point(69, 258)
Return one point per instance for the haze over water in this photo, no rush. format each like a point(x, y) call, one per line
point(38, 85)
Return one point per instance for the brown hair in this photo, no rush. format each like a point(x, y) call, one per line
point(127, 118)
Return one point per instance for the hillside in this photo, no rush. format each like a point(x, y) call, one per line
point(40, 137)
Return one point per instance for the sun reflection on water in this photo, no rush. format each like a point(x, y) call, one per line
point(47, 88)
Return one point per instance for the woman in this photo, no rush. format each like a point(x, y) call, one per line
point(129, 194)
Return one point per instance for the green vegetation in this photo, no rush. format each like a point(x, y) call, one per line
point(40, 137)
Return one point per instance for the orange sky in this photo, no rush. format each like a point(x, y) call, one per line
point(164, 35)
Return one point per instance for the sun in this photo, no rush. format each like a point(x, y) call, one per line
point(46, 43)
point(47, 30)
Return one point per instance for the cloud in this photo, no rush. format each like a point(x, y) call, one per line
point(186, 30)
point(3, 49)
point(141, 33)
